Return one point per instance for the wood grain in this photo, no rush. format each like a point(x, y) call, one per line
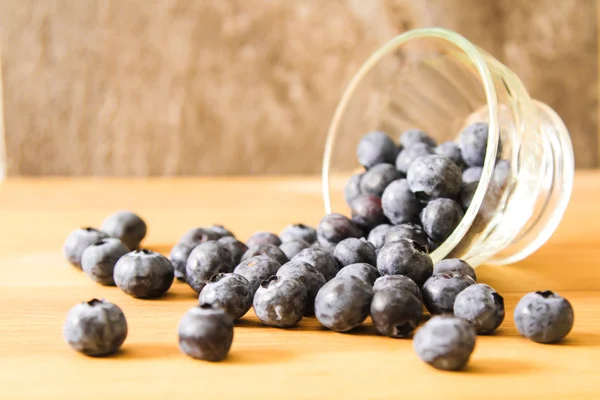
point(38, 287)
point(181, 87)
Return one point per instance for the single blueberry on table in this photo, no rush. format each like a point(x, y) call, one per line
point(179, 256)
point(395, 283)
point(410, 154)
point(367, 212)
point(78, 241)
point(363, 271)
point(196, 236)
point(377, 236)
point(399, 203)
point(280, 301)
point(144, 274)
point(375, 180)
point(321, 259)
point(220, 231)
point(439, 291)
point(269, 250)
point(207, 259)
point(434, 176)
point(298, 232)
point(395, 313)
point(472, 174)
point(235, 247)
point(312, 279)
point(405, 257)
point(205, 333)
point(259, 238)
point(445, 342)
point(352, 188)
point(407, 231)
point(415, 136)
point(376, 148)
point(343, 303)
point(454, 265)
point(544, 317)
point(466, 194)
point(95, 328)
point(353, 250)
point(440, 217)
point(98, 260)
point(293, 247)
point(257, 269)
point(333, 228)
point(473, 144)
point(452, 151)
point(126, 226)
point(481, 306)
point(231, 292)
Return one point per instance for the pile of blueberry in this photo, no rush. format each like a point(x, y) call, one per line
point(332, 273)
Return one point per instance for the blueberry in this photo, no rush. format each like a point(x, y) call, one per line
point(321, 259)
point(352, 188)
point(410, 154)
point(269, 250)
point(376, 148)
point(395, 313)
point(312, 279)
point(367, 212)
point(207, 259)
point(235, 247)
point(126, 226)
point(481, 306)
point(454, 265)
point(78, 241)
point(95, 328)
point(259, 238)
point(433, 177)
point(205, 333)
point(451, 150)
point(298, 232)
point(397, 282)
point(179, 256)
point(405, 257)
point(343, 303)
point(220, 231)
point(440, 217)
point(407, 231)
point(445, 342)
point(377, 236)
point(363, 271)
point(544, 317)
point(353, 250)
point(98, 260)
point(439, 291)
point(196, 236)
point(293, 247)
point(473, 144)
point(280, 301)
point(231, 292)
point(375, 180)
point(466, 194)
point(472, 174)
point(333, 228)
point(415, 136)
point(144, 274)
point(257, 269)
point(399, 203)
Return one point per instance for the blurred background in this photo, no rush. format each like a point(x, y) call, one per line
point(181, 87)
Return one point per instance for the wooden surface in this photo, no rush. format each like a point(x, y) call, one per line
point(142, 87)
point(37, 288)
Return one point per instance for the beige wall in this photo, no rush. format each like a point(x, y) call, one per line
point(158, 87)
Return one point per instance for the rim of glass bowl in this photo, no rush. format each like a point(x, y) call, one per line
point(477, 60)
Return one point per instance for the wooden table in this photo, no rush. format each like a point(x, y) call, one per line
point(37, 287)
